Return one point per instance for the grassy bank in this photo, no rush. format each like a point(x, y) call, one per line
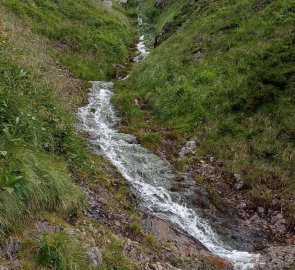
point(223, 73)
point(90, 38)
point(47, 49)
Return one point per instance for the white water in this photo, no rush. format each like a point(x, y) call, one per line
point(149, 176)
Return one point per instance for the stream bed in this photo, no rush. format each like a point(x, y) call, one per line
point(149, 177)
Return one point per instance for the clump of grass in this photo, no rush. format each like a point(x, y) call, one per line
point(61, 251)
point(35, 181)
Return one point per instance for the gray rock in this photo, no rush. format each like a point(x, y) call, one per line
point(260, 210)
point(94, 255)
point(279, 223)
point(188, 149)
point(239, 183)
point(11, 247)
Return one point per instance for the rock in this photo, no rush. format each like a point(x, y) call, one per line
point(160, 3)
point(188, 149)
point(279, 223)
point(242, 205)
point(94, 255)
point(43, 226)
point(133, 250)
point(108, 4)
point(260, 210)
point(277, 258)
point(211, 159)
point(11, 247)
point(160, 266)
point(164, 33)
point(239, 183)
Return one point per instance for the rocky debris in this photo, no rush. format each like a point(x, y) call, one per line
point(94, 255)
point(3, 267)
point(188, 149)
point(160, 266)
point(277, 258)
point(279, 223)
point(133, 250)
point(11, 248)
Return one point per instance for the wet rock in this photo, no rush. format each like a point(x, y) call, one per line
point(94, 255)
point(201, 198)
point(277, 258)
point(11, 248)
point(188, 149)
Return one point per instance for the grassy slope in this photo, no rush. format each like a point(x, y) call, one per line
point(41, 152)
point(90, 37)
point(224, 74)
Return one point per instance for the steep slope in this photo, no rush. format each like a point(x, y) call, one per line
point(91, 38)
point(223, 73)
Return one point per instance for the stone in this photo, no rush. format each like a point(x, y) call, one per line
point(279, 222)
point(188, 149)
point(94, 255)
point(260, 210)
point(11, 247)
point(160, 3)
point(239, 183)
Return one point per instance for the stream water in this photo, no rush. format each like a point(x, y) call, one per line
point(149, 176)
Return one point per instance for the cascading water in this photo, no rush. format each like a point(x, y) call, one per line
point(149, 176)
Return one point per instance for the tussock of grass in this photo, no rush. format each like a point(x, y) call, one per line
point(61, 251)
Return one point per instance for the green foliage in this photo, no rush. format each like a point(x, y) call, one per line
point(61, 251)
point(224, 72)
point(91, 37)
point(34, 130)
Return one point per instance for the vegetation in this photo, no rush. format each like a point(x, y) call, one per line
point(90, 37)
point(222, 72)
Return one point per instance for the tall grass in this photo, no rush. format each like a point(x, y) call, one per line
point(34, 130)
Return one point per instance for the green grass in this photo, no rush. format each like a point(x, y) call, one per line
point(224, 73)
point(90, 37)
point(61, 251)
point(37, 137)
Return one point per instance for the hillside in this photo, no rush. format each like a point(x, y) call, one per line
point(214, 99)
point(222, 73)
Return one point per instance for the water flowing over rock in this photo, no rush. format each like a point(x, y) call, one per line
point(149, 176)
